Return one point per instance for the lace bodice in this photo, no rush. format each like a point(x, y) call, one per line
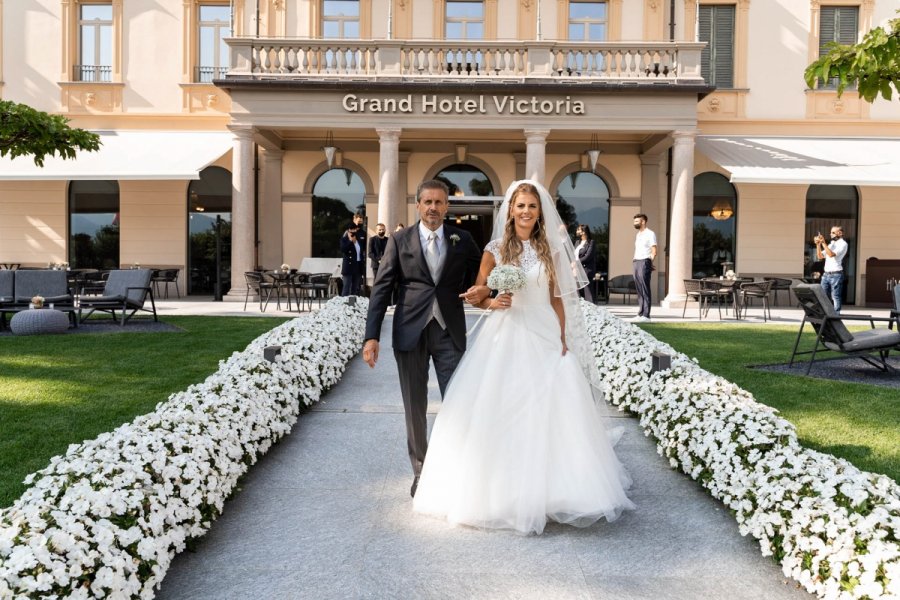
point(527, 259)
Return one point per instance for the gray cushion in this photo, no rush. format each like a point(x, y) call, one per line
point(7, 281)
point(869, 339)
point(41, 282)
point(813, 293)
point(896, 297)
point(119, 282)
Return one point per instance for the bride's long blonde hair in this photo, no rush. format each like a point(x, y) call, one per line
point(510, 245)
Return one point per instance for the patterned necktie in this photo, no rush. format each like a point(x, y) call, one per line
point(433, 258)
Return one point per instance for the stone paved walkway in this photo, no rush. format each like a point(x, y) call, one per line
point(327, 514)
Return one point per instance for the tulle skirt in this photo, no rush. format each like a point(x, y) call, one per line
point(519, 439)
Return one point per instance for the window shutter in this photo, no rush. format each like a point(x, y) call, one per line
point(705, 35)
point(723, 49)
point(847, 24)
point(837, 24)
point(716, 28)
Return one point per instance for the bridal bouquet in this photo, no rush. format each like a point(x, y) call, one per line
point(506, 278)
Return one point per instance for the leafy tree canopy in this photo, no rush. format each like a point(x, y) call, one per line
point(25, 131)
point(873, 65)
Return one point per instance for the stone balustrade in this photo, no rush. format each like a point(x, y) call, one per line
point(446, 60)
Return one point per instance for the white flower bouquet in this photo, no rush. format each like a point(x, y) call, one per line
point(506, 278)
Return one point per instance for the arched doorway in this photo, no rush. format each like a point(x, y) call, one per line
point(715, 218)
point(94, 225)
point(582, 197)
point(338, 194)
point(826, 206)
point(471, 200)
point(209, 231)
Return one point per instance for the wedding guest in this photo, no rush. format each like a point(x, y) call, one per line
point(587, 256)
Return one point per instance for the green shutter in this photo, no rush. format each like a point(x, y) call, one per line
point(717, 58)
point(837, 24)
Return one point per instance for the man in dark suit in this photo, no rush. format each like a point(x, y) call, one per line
point(377, 244)
point(352, 260)
point(432, 265)
point(362, 236)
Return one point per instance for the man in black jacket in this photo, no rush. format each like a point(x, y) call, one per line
point(377, 245)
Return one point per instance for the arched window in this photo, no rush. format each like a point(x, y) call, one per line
point(827, 206)
point(337, 195)
point(94, 224)
point(466, 180)
point(715, 215)
point(583, 197)
point(209, 228)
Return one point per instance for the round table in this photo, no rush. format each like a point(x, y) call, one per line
point(38, 321)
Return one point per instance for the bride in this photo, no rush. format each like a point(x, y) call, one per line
point(519, 439)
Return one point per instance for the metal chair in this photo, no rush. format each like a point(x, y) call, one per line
point(696, 289)
point(257, 284)
point(316, 286)
point(165, 276)
point(780, 284)
point(756, 289)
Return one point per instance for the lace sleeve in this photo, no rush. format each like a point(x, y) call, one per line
point(493, 247)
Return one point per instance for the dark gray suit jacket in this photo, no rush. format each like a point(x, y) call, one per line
point(403, 267)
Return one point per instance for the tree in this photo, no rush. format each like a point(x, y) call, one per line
point(873, 65)
point(25, 131)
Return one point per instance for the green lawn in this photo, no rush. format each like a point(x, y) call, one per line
point(59, 390)
point(854, 421)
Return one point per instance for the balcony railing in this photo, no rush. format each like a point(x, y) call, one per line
point(207, 74)
point(638, 62)
point(101, 73)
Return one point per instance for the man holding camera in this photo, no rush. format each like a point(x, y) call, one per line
point(833, 253)
point(353, 260)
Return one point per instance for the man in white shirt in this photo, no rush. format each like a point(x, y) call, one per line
point(833, 253)
point(644, 255)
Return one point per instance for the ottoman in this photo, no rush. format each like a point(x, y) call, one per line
point(39, 320)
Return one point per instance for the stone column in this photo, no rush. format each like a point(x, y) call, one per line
point(243, 225)
point(681, 233)
point(271, 227)
point(535, 153)
point(652, 197)
point(389, 176)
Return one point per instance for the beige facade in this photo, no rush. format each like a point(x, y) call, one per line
point(532, 107)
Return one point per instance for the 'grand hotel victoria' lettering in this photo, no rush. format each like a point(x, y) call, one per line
point(434, 104)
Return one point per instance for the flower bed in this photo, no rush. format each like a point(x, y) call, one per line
point(106, 519)
point(833, 528)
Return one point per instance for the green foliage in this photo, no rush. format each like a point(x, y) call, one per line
point(873, 65)
point(25, 131)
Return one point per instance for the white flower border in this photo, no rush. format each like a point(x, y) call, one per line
point(833, 528)
point(106, 519)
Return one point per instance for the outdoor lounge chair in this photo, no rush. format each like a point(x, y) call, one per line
point(7, 283)
point(872, 346)
point(895, 313)
point(622, 284)
point(126, 290)
point(52, 285)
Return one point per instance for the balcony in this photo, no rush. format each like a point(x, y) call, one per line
point(614, 63)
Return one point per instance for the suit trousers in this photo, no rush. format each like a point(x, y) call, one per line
point(642, 269)
point(435, 344)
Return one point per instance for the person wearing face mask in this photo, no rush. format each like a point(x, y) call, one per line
point(833, 253)
point(644, 255)
point(377, 245)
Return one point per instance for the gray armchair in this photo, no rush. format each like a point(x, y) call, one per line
point(7, 287)
point(127, 291)
point(52, 285)
point(872, 345)
point(622, 284)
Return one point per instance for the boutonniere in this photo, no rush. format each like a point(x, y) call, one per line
point(453, 239)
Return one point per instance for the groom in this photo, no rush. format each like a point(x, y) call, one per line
point(431, 265)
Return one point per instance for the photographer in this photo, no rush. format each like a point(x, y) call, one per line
point(833, 253)
point(352, 260)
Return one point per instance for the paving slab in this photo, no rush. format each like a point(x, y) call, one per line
point(327, 514)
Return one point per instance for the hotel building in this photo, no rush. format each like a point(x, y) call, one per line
point(268, 123)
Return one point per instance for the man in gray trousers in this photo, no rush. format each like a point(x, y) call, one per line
point(431, 265)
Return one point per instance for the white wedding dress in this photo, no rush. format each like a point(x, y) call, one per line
point(519, 439)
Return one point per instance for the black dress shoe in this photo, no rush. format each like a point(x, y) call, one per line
point(412, 490)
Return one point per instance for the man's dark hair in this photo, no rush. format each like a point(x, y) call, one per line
point(432, 184)
point(641, 216)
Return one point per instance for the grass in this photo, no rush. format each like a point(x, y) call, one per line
point(858, 422)
point(60, 390)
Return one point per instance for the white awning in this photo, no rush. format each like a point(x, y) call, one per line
point(129, 155)
point(806, 160)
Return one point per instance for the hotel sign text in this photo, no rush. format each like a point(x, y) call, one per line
point(460, 105)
